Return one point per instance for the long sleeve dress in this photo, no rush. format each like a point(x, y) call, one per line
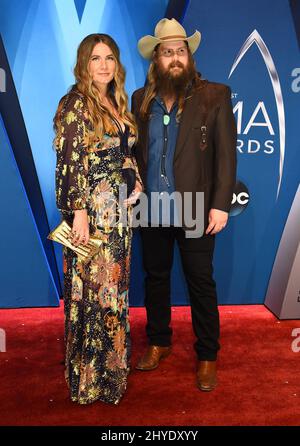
point(88, 177)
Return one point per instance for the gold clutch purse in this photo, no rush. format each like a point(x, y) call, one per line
point(62, 234)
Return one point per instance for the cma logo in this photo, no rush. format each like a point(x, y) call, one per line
point(2, 81)
point(253, 145)
point(296, 342)
point(296, 81)
point(240, 199)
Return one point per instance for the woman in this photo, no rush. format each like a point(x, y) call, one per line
point(94, 135)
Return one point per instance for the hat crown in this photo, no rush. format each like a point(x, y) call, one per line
point(167, 30)
point(169, 27)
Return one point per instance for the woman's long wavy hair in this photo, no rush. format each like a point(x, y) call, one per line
point(98, 113)
point(153, 80)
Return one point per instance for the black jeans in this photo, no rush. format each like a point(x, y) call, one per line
point(196, 255)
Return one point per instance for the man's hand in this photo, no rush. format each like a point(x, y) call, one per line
point(133, 197)
point(217, 221)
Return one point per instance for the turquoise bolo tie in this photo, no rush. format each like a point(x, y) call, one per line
point(166, 119)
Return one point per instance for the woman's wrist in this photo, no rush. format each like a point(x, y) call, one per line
point(80, 211)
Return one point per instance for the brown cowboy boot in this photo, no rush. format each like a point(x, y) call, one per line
point(207, 375)
point(152, 357)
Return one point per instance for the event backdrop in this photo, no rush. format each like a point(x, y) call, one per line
point(252, 46)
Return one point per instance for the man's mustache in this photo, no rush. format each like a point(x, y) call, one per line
point(176, 64)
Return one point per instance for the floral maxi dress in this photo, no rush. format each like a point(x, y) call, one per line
point(95, 294)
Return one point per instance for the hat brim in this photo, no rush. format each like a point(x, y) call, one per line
point(147, 44)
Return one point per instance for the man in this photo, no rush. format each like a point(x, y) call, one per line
point(187, 144)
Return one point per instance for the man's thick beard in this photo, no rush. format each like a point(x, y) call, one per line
point(168, 85)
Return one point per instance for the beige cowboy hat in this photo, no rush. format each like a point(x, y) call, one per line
point(167, 30)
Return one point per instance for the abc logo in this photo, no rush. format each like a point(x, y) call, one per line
point(240, 199)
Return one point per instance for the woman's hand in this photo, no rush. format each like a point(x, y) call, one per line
point(133, 197)
point(80, 229)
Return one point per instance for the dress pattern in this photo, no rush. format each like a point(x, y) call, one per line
point(88, 176)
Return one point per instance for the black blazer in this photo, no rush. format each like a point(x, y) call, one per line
point(205, 153)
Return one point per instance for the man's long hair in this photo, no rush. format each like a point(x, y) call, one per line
point(98, 113)
point(193, 79)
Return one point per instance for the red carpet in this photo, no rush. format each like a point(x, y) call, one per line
point(258, 374)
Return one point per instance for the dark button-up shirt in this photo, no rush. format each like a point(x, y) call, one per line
point(163, 130)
